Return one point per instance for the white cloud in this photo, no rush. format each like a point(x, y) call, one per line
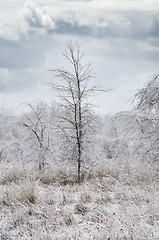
point(37, 17)
point(29, 18)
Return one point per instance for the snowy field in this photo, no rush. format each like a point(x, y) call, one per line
point(116, 200)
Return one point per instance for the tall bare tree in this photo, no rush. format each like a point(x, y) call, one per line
point(73, 92)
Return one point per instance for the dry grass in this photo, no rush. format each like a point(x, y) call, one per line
point(116, 200)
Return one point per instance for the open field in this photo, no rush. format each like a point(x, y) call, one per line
point(116, 200)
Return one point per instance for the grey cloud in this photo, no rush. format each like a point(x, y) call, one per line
point(21, 54)
point(64, 27)
point(142, 25)
point(131, 24)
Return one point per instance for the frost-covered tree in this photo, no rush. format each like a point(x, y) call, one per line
point(129, 132)
point(9, 145)
point(36, 124)
point(146, 103)
point(114, 135)
point(75, 117)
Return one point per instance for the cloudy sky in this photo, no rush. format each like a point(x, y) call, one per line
point(119, 37)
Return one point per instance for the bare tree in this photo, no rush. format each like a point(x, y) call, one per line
point(73, 92)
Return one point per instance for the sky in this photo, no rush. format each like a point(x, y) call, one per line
point(120, 38)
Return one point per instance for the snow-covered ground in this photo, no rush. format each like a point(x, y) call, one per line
point(116, 200)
